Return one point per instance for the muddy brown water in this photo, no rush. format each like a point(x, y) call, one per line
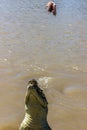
point(51, 49)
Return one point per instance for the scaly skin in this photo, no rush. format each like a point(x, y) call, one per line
point(35, 109)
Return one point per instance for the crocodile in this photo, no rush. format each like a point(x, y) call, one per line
point(36, 108)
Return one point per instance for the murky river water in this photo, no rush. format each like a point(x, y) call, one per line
point(52, 49)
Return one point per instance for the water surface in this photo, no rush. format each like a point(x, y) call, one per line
point(52, 49)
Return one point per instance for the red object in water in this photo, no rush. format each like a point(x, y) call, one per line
point(51, 7)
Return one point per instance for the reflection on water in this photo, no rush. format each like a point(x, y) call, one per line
point(52, 49)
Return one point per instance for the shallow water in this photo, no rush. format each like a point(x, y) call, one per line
point(52, 49)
